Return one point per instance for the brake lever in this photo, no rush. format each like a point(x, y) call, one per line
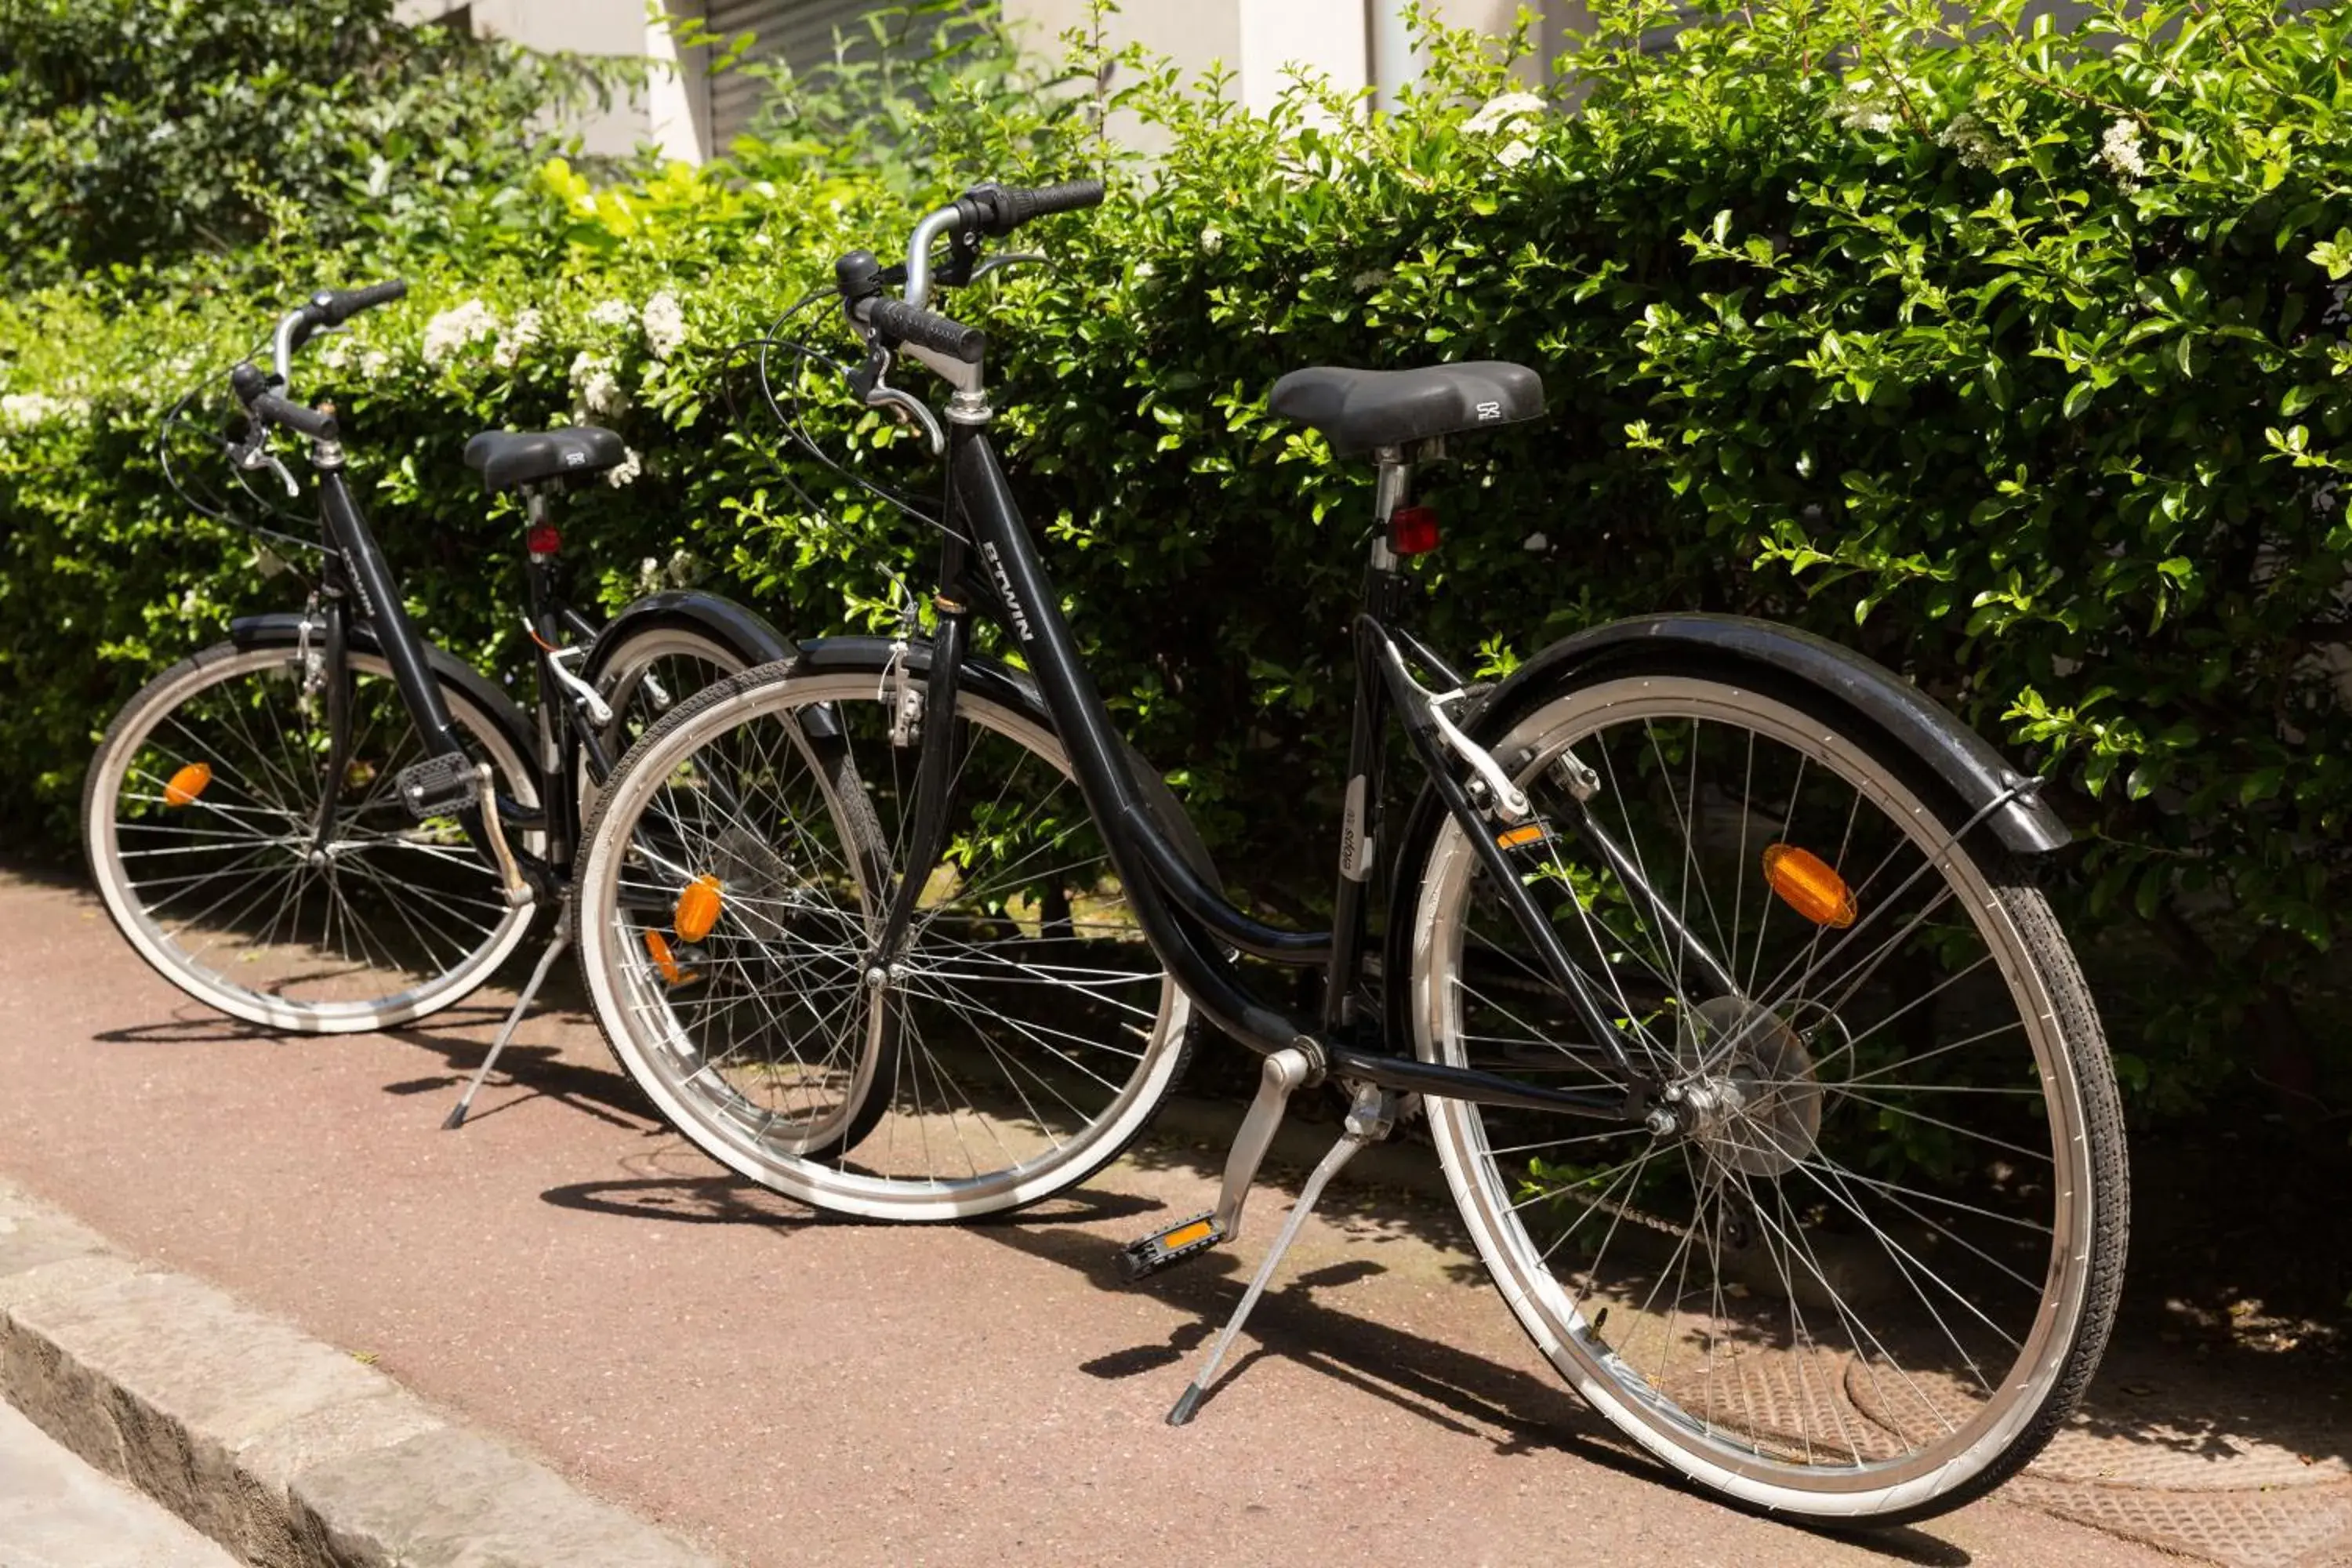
point(256, 455)
point(1009, 258)
point(870, 381)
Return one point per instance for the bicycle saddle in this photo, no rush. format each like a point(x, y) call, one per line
point(508, 458)
point(1360, 409)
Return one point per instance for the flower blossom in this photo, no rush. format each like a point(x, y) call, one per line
point(596, 388)
point(520, 334)
point(664, 323)
point(611, 313)
point(452, 329)
point(626, 472)
point(2119, 150)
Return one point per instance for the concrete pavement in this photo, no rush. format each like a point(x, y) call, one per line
point(57, 1513)
point(569, 1276)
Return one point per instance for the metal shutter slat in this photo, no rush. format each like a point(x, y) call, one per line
point(797, 32)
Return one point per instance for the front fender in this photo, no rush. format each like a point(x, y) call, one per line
point(749, 635)
point(284, 629)
point(1012, 688)
point(1948, 749)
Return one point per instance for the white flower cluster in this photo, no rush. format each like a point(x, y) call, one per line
point(613, 313)
point(1504, 114)
point(595, 388)
point(1365, 282)
point(664, 323)
point(520, 334)
point(1213, 240)
point(1967, 136)
point(452, 329)
point(2119, 150)
point(630, 468)
point(681, 572)
point(1863, 108)
point(29, 410)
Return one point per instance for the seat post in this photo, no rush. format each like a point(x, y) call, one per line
point(1392, 488)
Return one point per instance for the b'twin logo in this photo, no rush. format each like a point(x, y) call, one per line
point(1004, 590)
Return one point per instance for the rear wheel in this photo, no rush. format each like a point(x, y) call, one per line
point(1875, 1265)
point(1021, 1040)
point(201, 815)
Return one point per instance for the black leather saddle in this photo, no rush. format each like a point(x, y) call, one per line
point(506, 458)
point(1358, 410)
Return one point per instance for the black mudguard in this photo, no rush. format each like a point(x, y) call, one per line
point(284, 629)
point(1948, 749)
point(1012, 688)
point(751, 636)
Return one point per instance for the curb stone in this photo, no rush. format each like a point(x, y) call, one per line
point(285, 1450)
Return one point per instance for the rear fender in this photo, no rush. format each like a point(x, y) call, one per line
point(1948, 749)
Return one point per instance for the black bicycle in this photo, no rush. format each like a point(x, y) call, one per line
point(1769, 1089)
point(326, 824)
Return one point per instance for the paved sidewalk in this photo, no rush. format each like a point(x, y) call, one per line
point(57, 1513)
point(570, 1275)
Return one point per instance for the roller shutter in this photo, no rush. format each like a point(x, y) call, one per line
point(797, 32)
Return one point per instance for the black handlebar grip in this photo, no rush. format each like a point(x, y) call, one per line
point(337, 306)
point(314, 423)
point(902, 322)
point(1016, 205)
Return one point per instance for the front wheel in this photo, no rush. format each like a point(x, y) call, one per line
point(1874, 1266)
point(202, 816)
point(734, 879)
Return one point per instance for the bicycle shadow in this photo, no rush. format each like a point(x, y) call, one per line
point(719, 1199)
point(1465, 1392)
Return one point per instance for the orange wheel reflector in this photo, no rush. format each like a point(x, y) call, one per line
point(187, 783)
point(658, 948)
point(698, 909)
point(1806, 885)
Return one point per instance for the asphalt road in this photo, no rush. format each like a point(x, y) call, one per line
point(568, 1273)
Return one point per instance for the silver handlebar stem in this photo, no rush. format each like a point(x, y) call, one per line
point(918, 253)
point(281, 346)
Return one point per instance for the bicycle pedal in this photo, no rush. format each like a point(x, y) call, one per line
point(1166, 1248)
point(438, 785)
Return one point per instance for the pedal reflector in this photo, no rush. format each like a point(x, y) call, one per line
point(1186, 1238)
point(698, 909)
point(1806, 884)
point(187, 783)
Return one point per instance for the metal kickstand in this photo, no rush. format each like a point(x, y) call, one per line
point(1370, 1119)
point(556, 944)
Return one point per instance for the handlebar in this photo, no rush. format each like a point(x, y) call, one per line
point(1000, 209)
point(327, 308)
point(337, 306)
point(902, 322)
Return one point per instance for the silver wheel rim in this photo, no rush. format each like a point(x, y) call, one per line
point(1558, 1318)
point(639, 1012)
point(261, 787)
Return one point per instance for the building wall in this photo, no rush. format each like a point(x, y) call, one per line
point(1356, 44)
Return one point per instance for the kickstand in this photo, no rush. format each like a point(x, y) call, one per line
point(563, 939)
point(1369, 1120)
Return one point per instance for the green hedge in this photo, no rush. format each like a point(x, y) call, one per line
point(2016, 359)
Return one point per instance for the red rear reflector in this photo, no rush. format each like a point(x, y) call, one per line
point(544, 540)
point(1413, 530)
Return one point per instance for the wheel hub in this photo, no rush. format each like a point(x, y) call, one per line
point(1746, 1092)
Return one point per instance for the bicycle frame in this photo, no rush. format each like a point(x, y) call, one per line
point(1191, 926)
point(358, 573)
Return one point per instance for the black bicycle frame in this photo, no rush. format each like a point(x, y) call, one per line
point(1191, 926)
point(357, 573)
